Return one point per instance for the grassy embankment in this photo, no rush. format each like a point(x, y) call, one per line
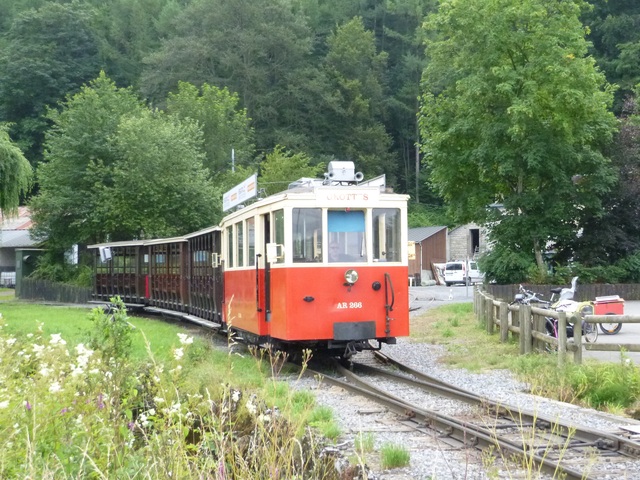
point(121, 397)
point(613, 387)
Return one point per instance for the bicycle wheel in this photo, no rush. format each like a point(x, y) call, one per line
point(610, 328)
point(590, 332)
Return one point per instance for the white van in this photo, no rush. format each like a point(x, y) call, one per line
point(459, 271)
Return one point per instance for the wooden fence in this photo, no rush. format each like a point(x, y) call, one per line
point(31, 289)
point(628, 291)
point(528, 323)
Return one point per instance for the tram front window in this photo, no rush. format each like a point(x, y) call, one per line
point(346, 242)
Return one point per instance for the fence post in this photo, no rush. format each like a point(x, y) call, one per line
point(480, 313)
point(489, 315)
point(562, 338)
point(504, 321)
point(491, 321)
point(525, 329)
point(577, 338)
point(476, 295)
point(538, 326)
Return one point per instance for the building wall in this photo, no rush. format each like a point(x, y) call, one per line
point(462, 244)
point(7, 259)
point(430, 250)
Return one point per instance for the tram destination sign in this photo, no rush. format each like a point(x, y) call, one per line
point(240, 193)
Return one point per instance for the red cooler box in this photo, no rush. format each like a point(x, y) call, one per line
point(609, 305)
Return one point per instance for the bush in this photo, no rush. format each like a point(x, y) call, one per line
point(503, 265)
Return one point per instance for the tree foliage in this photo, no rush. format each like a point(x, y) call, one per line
point(620, 237)
point(354, 69)
point(280, 168)
point(513, 109)
point(15, 173)
point(160, 185)
point(225, 126)
point(116, 170)
point(47, 53)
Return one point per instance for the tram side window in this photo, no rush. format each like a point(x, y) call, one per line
point(307, 235)
point(386, 235)
point(240, 243)
point(230, 247)
point(278, 232)
point(251, 241)
point(347, 242)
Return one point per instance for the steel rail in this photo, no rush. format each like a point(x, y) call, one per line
point(467, 434)
point(602, 440)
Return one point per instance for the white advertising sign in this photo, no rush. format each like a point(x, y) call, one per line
point(240, 193)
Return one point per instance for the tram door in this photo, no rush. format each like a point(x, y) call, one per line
point(266, 228)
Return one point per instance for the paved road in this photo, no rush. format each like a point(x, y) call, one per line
point(423, 298)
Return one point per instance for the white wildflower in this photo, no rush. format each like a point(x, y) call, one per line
point(56, 339)
point(29, 335)
point(11, 341)
point(178, 353)
point(4, 404)
point(158, 399)
point(251, 407)
point(235, 396)
point(55, 387)
point(45, 371)
point(185, 339)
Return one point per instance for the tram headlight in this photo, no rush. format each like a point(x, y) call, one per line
point(351, 276)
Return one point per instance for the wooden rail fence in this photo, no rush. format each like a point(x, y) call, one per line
point(528, 323)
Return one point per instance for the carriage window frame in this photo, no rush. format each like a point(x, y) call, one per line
point(240, 244)
point(278, 222)
point(229, 234)
point(386, 230)
point(307, 236)
point(251, 241)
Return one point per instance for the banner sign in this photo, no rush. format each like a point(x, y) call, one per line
point(240, 193)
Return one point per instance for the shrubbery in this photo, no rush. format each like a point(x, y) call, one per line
point(505, 266)
point(87, 412)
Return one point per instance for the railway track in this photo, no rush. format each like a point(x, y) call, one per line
point(560, 449)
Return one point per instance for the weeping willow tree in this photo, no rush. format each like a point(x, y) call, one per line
point(15, 173)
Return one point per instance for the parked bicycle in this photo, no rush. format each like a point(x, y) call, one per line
point(564, 303)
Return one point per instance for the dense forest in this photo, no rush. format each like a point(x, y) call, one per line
point(108, 97)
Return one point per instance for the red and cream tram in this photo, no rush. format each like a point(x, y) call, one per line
point(322, 265)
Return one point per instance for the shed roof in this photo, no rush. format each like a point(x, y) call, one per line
point(16, 238)
point(422, 233)
point(14, 230)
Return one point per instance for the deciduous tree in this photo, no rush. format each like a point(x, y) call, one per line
point(512, 110)
point(15, 173)
point(48, 53)
point(224, 124)
point(280, 168)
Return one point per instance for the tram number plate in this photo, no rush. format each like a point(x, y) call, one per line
point(343, 305)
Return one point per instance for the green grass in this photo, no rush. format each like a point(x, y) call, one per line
point(157, 336)
point(364, 442)
point(170, 406)
point(394, 456)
